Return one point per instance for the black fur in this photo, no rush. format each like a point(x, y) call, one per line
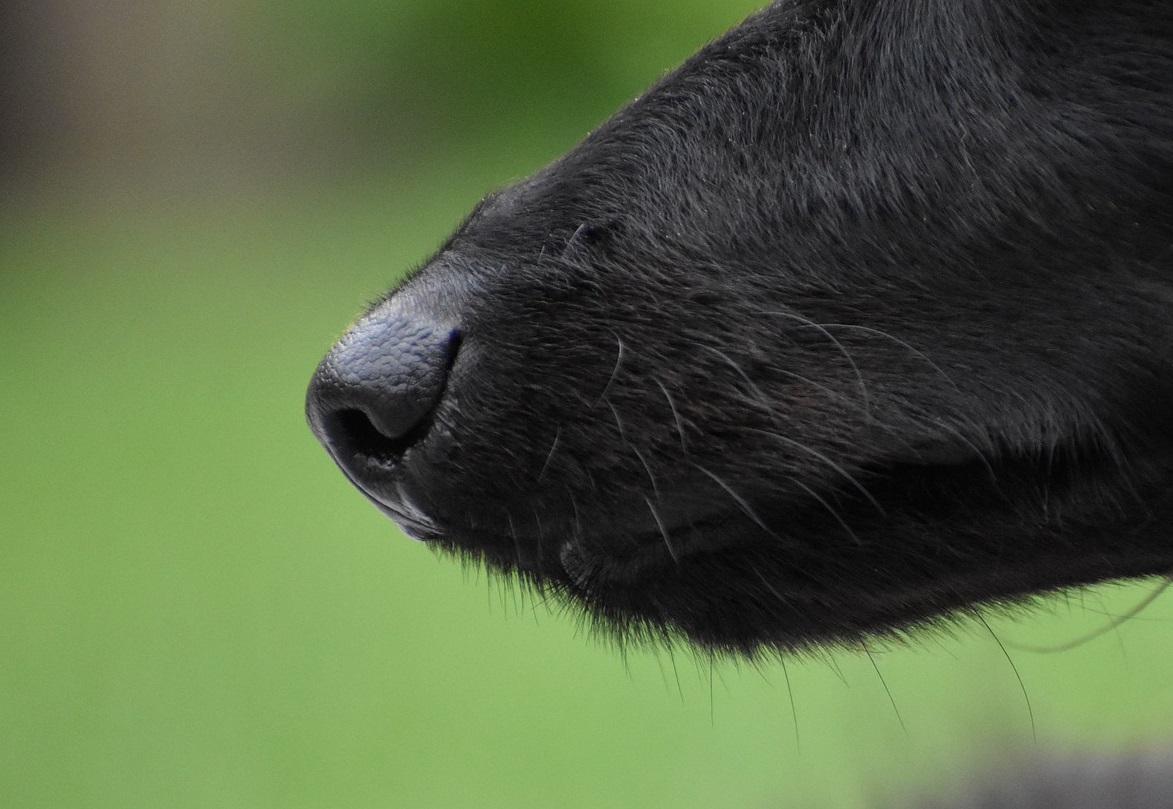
point(862, 316)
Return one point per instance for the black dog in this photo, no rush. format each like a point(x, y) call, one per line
point(861, 317)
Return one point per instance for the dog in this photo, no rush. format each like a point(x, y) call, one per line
point(860, 319)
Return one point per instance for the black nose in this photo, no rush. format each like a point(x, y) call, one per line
point(373, 395)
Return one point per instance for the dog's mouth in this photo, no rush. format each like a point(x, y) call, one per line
point(908, 544)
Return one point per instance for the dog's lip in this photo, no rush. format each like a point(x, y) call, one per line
point(622, 555)
point(414, 522)
point(390, 497)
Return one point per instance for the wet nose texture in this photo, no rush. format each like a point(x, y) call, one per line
point(372, 397)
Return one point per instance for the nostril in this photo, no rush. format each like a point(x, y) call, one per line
point(374, 395)
point(353, 432)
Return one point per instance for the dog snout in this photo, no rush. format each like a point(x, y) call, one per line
point(373, 396)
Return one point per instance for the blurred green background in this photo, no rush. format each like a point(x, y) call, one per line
point(195, 608)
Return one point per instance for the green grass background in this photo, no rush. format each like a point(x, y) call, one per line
point(197, 611)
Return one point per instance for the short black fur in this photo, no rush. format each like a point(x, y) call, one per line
point(862, 316)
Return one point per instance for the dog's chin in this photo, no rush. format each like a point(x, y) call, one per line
point(790, 574)
point(724, 583)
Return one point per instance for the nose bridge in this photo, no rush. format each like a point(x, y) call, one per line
point(443, 290)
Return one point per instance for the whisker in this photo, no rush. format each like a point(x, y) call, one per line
point(675, 672)
point(863, 389)
point(675, 416)
point(887, 691)
point(793, 708)
point(550, 454)
point(647, 470)
point(1021, 685)
point(763, 400)
point(663, 531)
point(577, 528)
point(913, 349)
point(513, 533)
point(618, 422)
point(1115, 623)
point(573, 238)
point(978, 451)
point(540, 542)
point(834, 513)
point(826, 460)
point(614, 371)
point(741, 502)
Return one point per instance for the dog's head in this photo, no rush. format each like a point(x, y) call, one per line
point(858, 318)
